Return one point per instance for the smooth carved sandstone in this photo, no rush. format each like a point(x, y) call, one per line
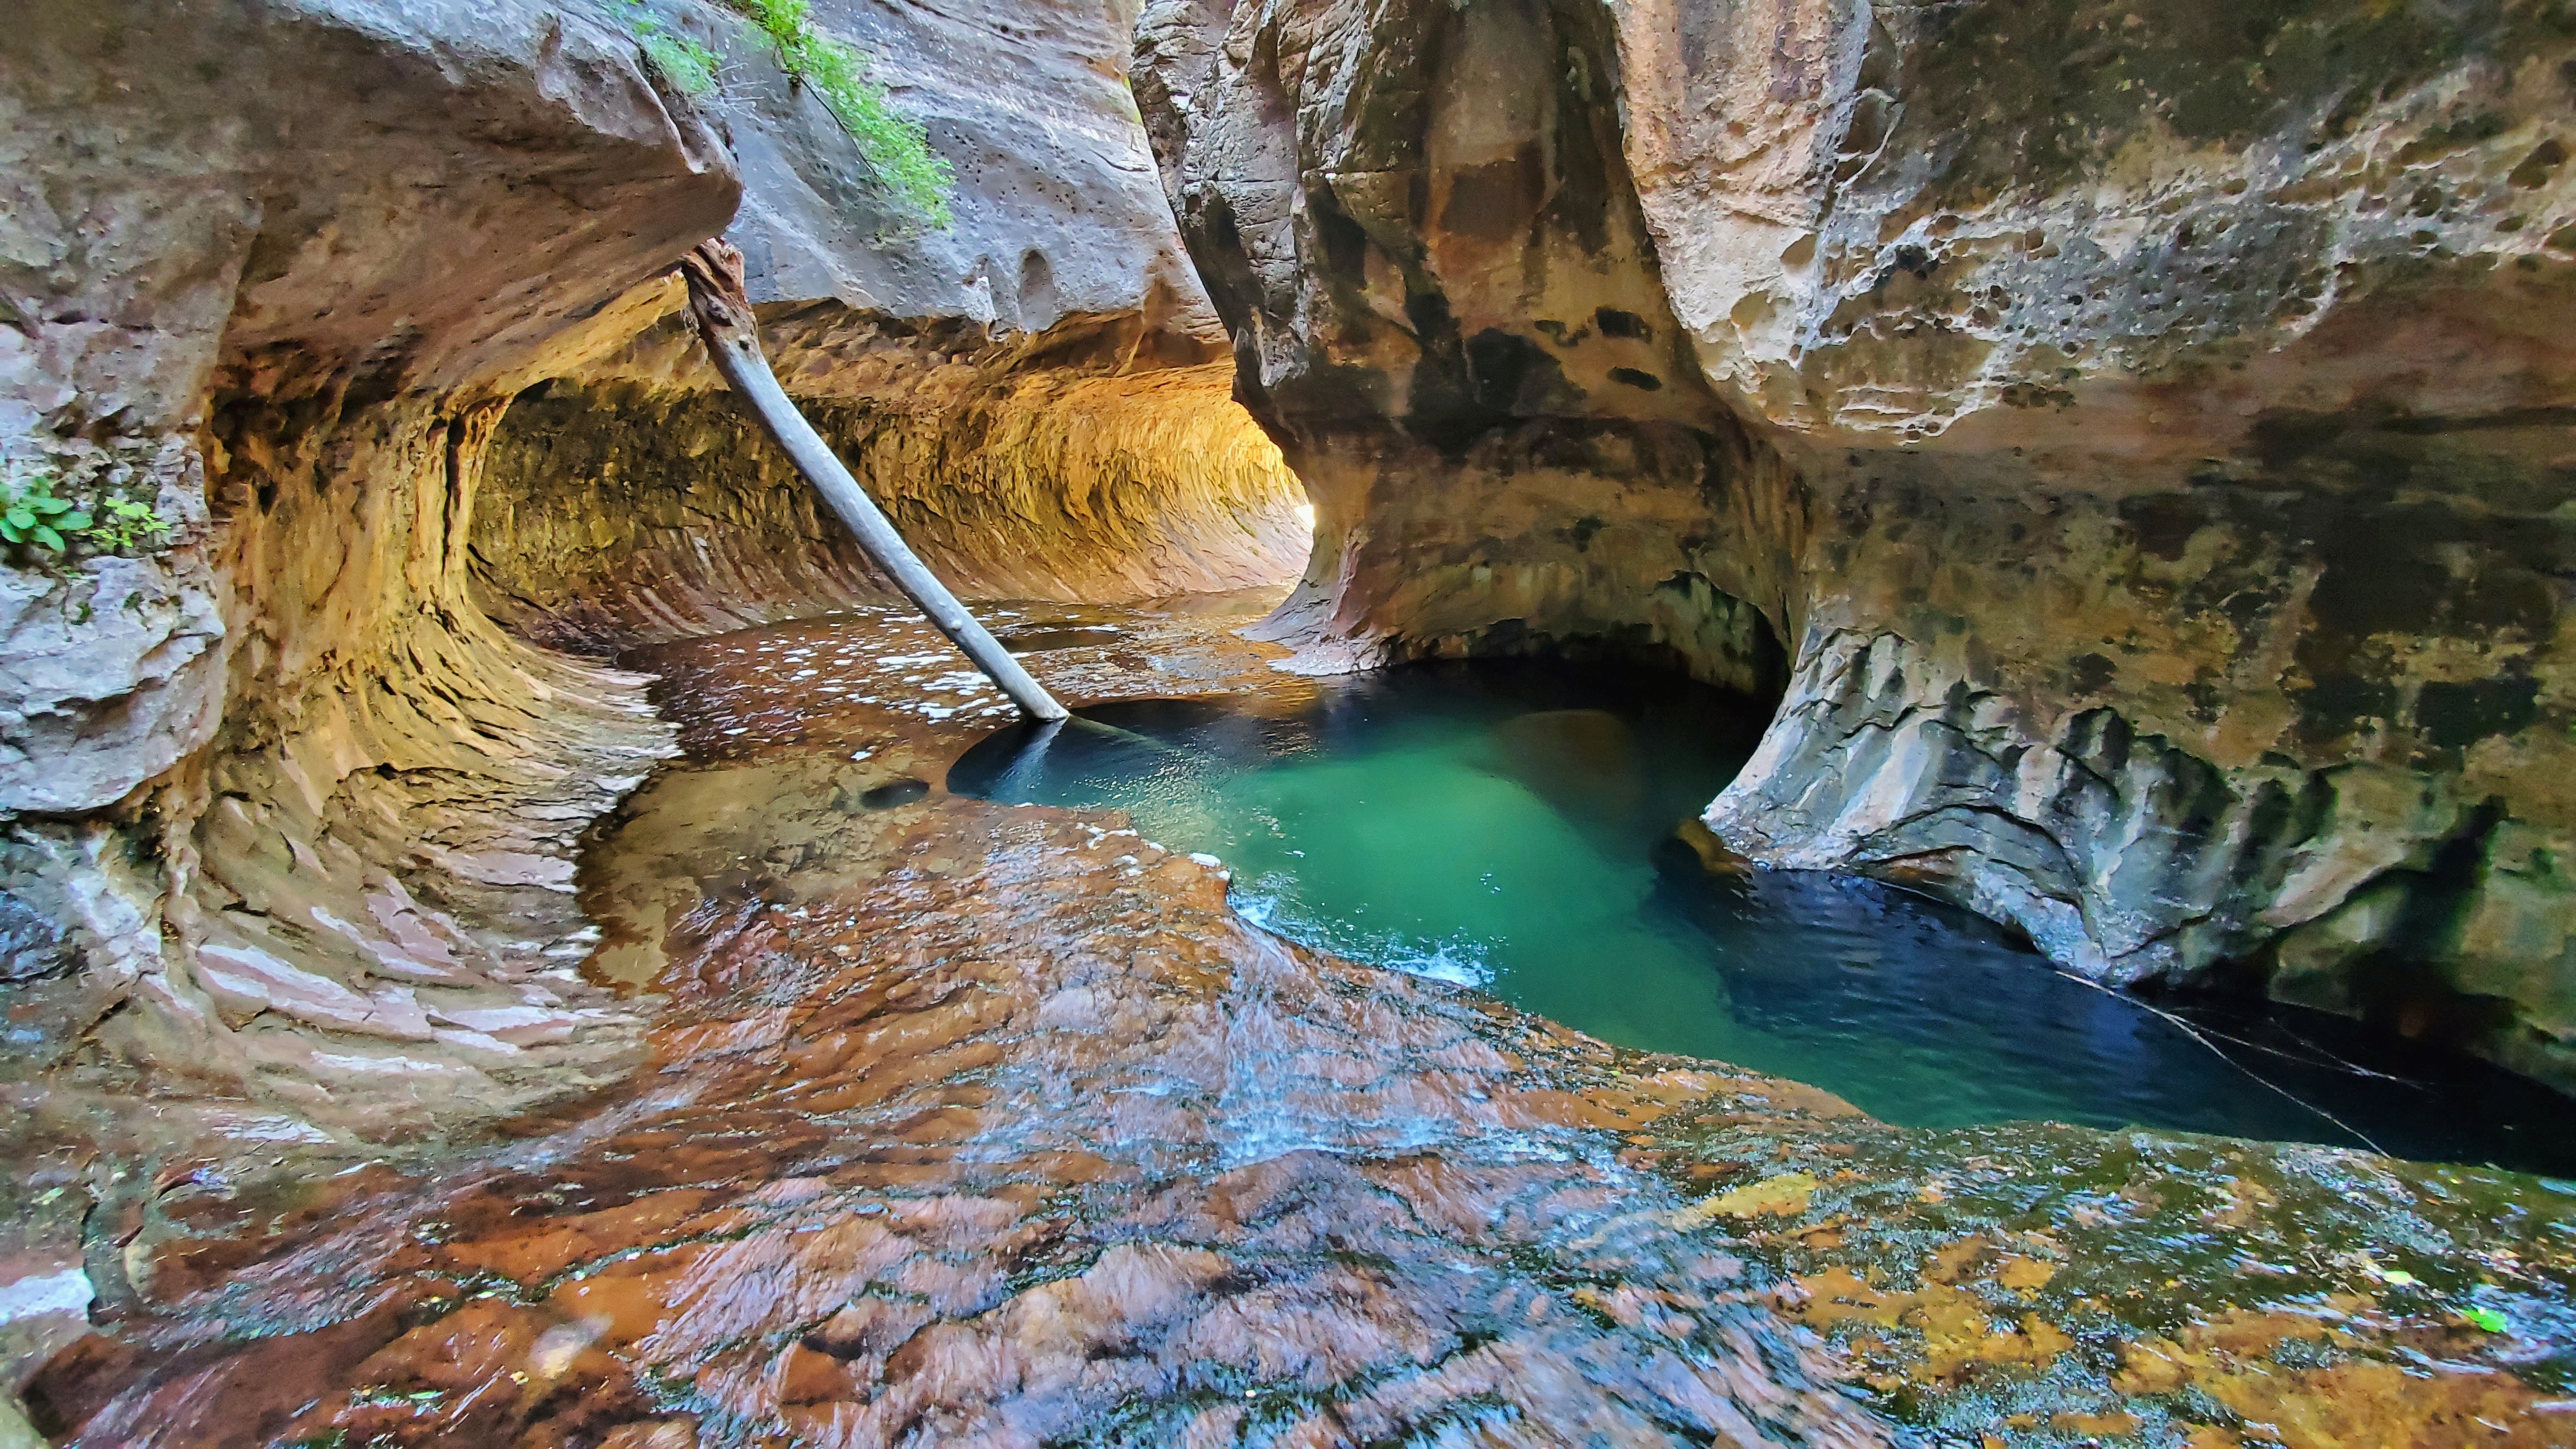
point(289, 813)
point(2132, 446)
point(2136, 441)
point(294, 806)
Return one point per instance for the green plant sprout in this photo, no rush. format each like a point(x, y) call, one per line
point(123, 524)
point(33, 517)
point(689, 65)
point(896, 146)
point(30, 514)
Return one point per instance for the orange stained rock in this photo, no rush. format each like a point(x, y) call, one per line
point(1051, 1146)
point(953, 1129)
point(1784, 1196)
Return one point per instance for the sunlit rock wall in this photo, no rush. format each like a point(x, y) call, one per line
point(376, 309)
point(2148, 430)
point(287, 809)
point(1037, 392)
point(286, 826)
point(621, 510)
point(1444, 302)
point(287, 819)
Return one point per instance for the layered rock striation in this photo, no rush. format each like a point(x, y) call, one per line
point(623, 508)
point(375, 308)
point(289, 810)
point(2145, 435)
point(1037, 392)
point(1445, 303)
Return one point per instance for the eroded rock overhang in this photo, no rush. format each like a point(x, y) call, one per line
point(2148, 432)
point(377, 308)
point(291, 822)
point(1038, 391)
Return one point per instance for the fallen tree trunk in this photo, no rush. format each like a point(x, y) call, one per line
point(724, 317)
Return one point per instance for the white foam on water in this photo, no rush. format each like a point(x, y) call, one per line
point(66, 1291)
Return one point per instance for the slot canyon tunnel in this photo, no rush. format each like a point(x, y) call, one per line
point(2045, 520)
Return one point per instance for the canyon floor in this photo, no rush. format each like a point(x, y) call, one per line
point(961, 1123)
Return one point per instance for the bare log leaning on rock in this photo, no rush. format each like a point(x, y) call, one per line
point(723, 312)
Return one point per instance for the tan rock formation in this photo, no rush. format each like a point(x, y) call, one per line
point(279, 278)
point(1036, 392)
point(285, 815)
point(1039, 468)
point(2147, 430)
point(1444, 302)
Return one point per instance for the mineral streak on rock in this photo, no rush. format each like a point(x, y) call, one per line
point(2144, 431)
point(967, 1122)
point(1444, 302)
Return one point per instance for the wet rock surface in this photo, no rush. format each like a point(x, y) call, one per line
point(287, 820)
point(2052, 1285)
point(298, 822)
point(2138, 437)
point(973, 1124)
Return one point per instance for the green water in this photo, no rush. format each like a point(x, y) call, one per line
point(1511, 828)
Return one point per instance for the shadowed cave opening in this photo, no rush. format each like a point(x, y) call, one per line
point(1513, 812)
point(1525, 825)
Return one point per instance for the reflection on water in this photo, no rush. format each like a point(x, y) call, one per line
point(1511, 826)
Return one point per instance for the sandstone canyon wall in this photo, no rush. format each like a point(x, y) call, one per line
point(1037, 392)
point(2147, 432)
point(374, 303)
point(2137, 446)
point(294, 818)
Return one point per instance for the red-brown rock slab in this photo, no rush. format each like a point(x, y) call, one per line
point(959, 1127)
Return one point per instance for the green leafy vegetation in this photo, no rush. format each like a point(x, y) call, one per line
point(34, 519)
point(122, 524)
point(31, 516)
point(686, 64)
point(895, 146)
point(689, 66)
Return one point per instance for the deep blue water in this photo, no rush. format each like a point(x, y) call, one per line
point(1512, 826)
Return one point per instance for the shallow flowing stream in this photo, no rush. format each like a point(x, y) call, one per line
point(961, 1121)
point(1512, 826)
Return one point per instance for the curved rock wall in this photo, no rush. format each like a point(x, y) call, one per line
point(1445, 303)
point(287, 819)
point(1035, 392)
point(2242, 343)
point(306, 817)
point(616, 512)
point(2148, 430)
